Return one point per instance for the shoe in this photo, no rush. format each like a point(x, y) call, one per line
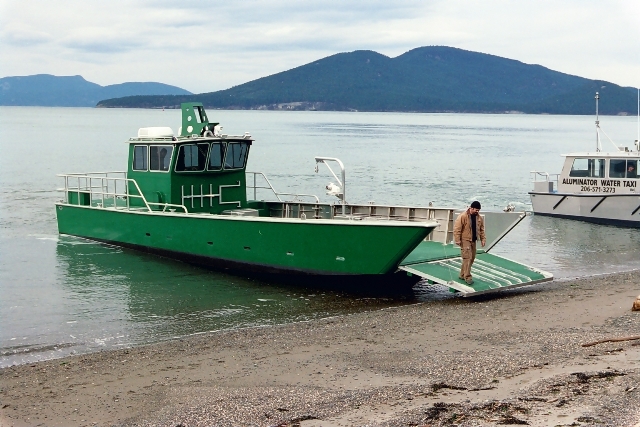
point(460, 277)
point(469, 281)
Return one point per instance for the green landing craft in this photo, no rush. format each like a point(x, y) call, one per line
point(185, 197)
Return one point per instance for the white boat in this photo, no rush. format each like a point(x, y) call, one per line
point(599, 187)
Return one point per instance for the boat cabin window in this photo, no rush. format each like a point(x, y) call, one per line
point(192, 157)
point(623, 168)
point(587, 168)
point(140, 158)
point(216, 155)
point(236, 155)
point(160, 157)
point(200, 117)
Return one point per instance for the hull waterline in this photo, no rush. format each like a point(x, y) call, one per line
point(617, 210)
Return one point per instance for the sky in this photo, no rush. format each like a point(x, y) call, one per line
point(204, 46)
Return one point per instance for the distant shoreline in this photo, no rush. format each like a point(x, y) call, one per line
point(623, 114)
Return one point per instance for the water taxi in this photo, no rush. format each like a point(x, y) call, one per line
point(185, 197)
point(598, 186)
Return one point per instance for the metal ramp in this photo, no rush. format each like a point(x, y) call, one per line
point(441, 264)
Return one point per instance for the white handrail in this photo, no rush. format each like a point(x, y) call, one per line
point(276, 193)
point(546, 175)
point(342, 182)
point(86, 183)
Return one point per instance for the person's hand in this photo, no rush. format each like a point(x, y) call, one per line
point(458, 243)
point(483, 242)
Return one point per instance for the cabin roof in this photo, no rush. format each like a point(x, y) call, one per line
point(603, 154)
point(188, 139)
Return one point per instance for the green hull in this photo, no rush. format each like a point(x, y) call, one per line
point(268, 245)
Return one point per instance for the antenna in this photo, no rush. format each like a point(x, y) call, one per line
point(597, 124)
point(598, 129)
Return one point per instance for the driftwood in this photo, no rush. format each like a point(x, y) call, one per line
point(635, 337)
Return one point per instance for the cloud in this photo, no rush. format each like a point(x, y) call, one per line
point(101, 46)
point(210, 45)
point(20, 35)
point(331, 12)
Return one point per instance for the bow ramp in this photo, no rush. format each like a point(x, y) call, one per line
point(438, 260)
point(440, 263)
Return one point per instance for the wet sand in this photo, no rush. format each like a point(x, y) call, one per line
point(509, 358)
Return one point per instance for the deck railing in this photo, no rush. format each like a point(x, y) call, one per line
point(538, 176)
point(269, 186)
point(108, 190)
point(544, 176)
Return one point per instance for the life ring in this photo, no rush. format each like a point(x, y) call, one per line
point(207, 133)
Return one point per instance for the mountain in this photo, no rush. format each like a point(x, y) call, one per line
point(72, 91)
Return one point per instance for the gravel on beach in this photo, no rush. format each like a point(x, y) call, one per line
point(512, 358)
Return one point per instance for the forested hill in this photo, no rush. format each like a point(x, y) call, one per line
point(72, 91)
point(426, 79)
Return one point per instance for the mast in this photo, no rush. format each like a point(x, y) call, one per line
point(597, 124)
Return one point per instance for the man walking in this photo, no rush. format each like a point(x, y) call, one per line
point(468, 228)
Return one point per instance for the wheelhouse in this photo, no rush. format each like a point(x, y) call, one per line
point(599, 173)
point(199, 169)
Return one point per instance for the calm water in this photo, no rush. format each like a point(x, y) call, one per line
point(60, 295)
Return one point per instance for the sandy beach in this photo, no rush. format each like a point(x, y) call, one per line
point(514, 358)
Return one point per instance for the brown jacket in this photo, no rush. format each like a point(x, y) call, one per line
point(462, 228)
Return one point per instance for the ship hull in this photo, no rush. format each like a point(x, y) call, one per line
point(271, 246)
point(618, 210)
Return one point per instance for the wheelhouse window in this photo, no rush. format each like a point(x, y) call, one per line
point(593, 168)
point(160, 157)
point(236, 155)
point(192, 157)
point(140, 158)
point(623, 168)
point(632, 168)
point(216, 155)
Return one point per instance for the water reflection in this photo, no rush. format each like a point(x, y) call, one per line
point(109, 297)
point(572, 248)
